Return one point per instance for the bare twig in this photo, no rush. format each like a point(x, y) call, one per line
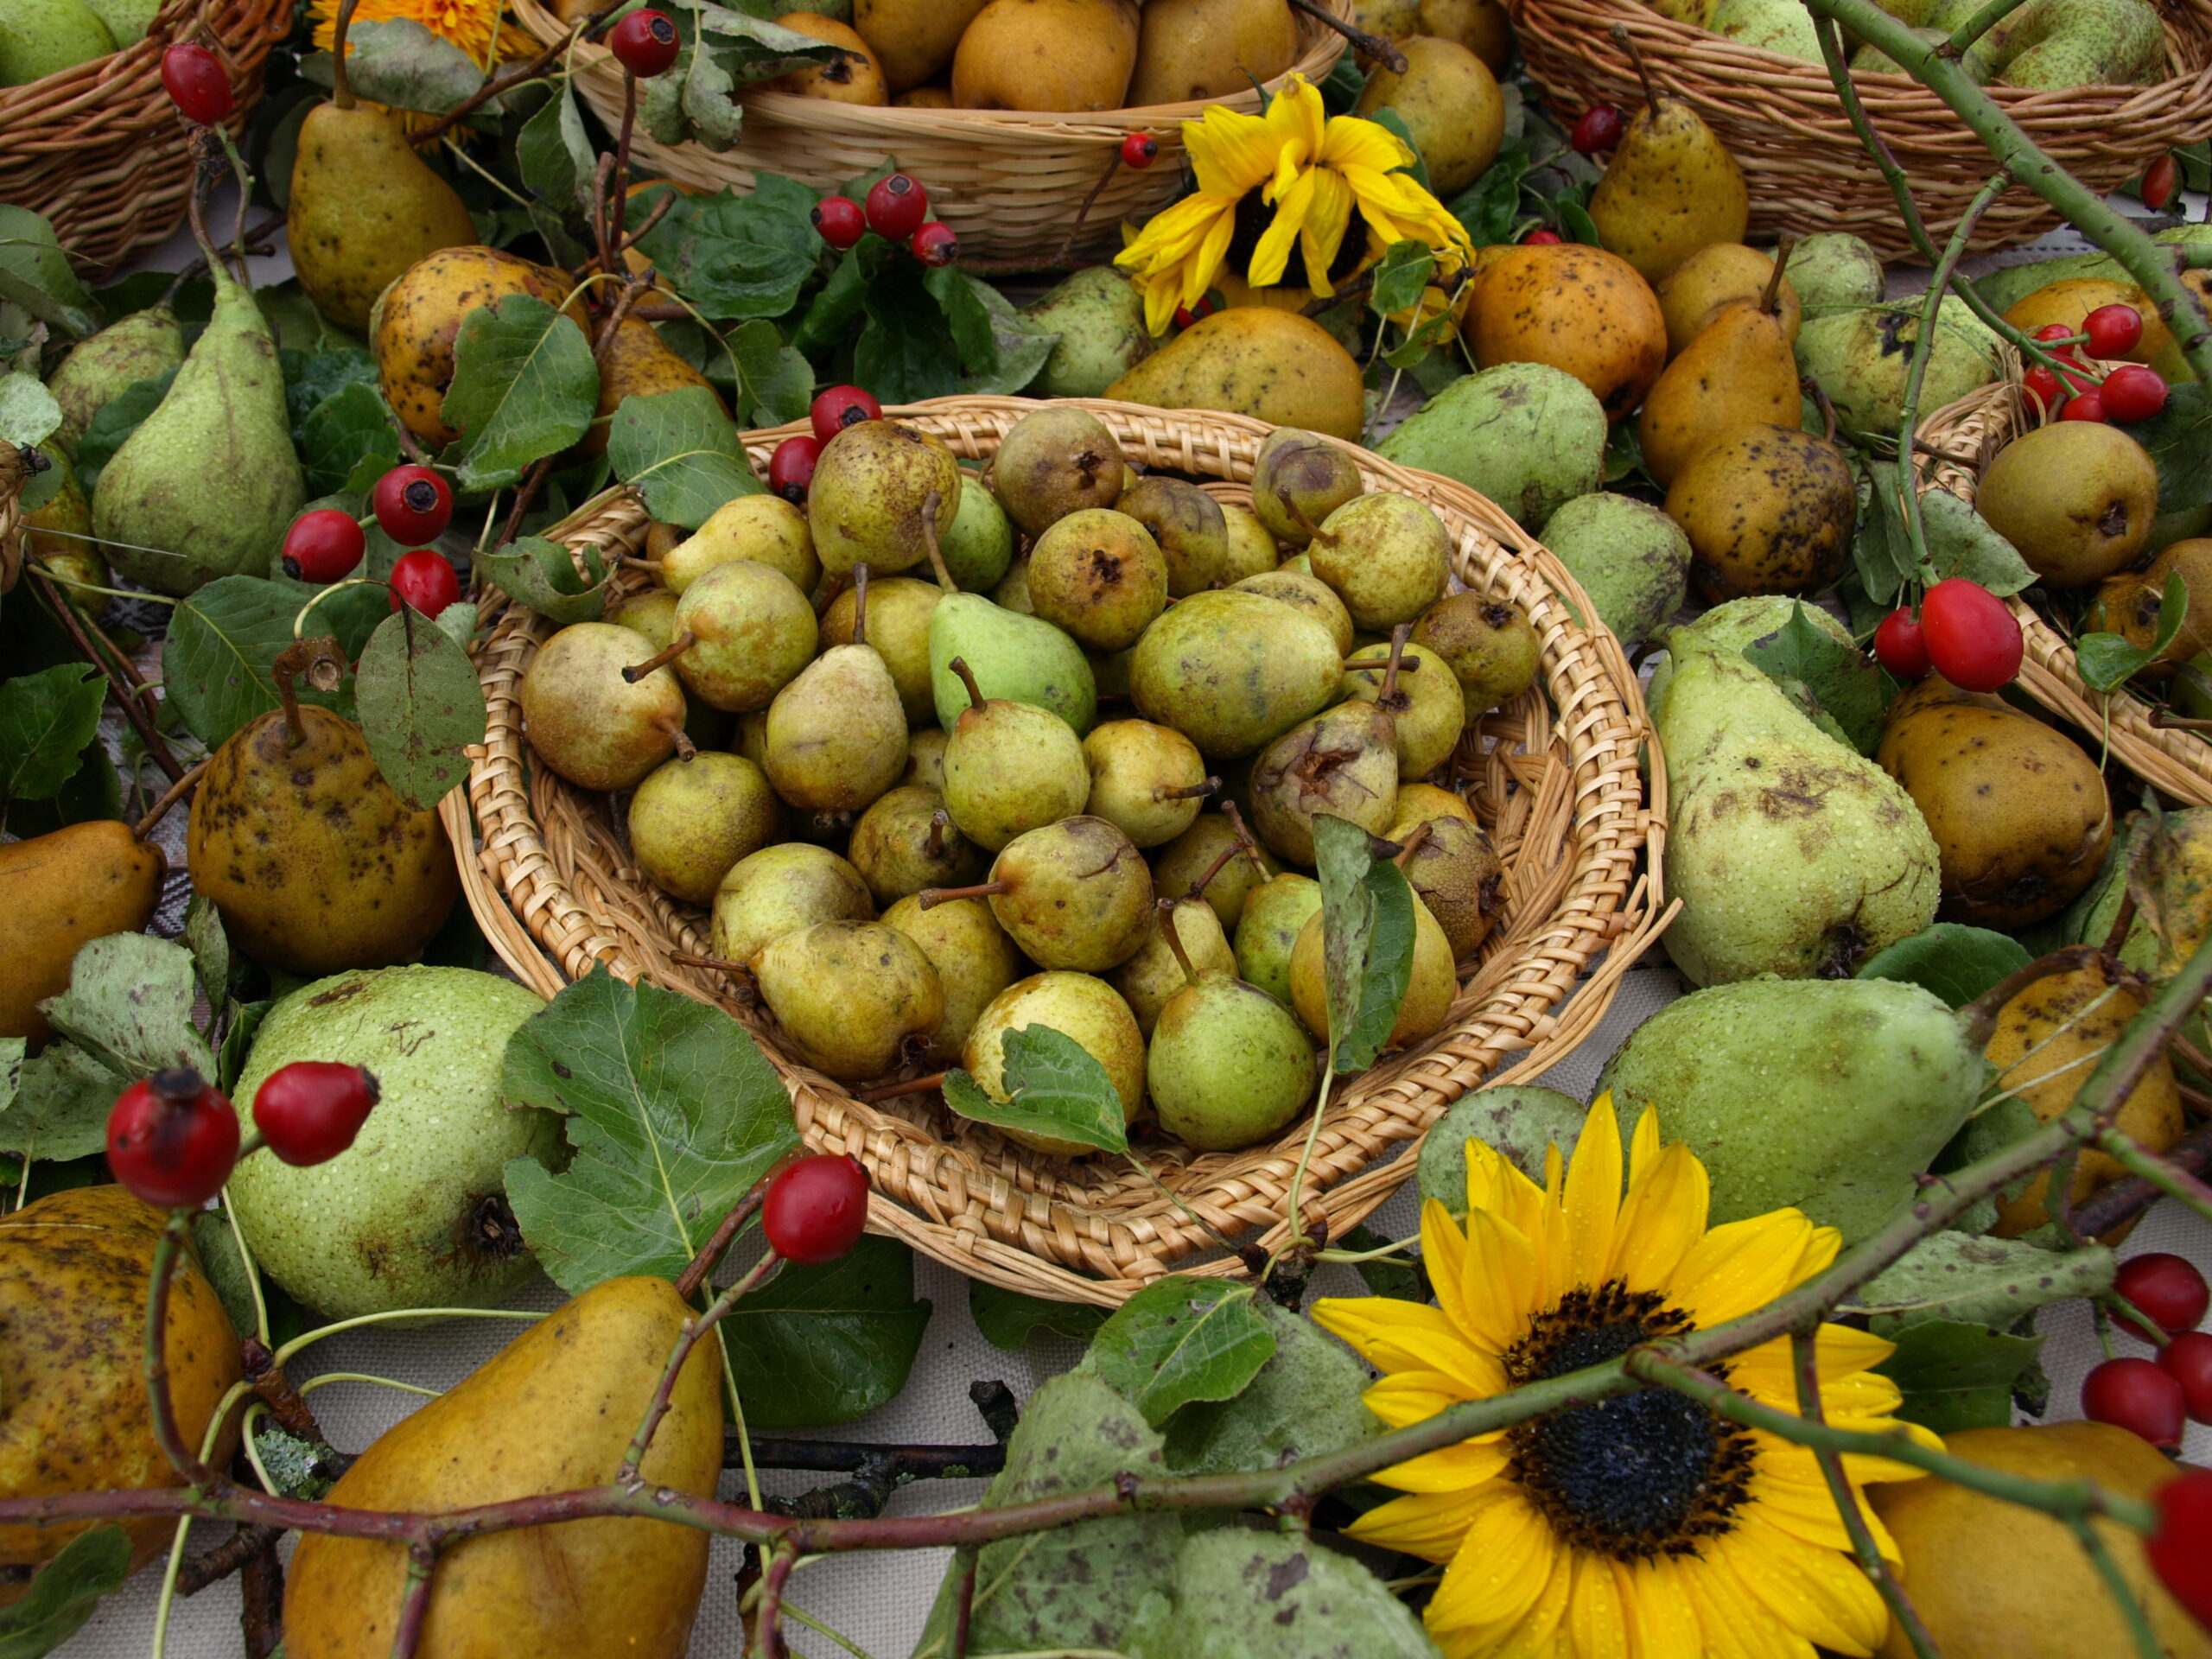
point(122, 679)
point(170, 797)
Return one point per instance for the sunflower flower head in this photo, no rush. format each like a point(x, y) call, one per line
point(477, 27)
point(1289, 181)
point(1642, 1527)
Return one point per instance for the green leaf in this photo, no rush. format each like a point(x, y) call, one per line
point(399, 62)
point(1367, 934)
point(1955, 1375)
point(29, 415)
point(11, 1072)
point(1056, 1087)
point(524, 387)
point(682, 453)
point(832, 313)
point(1489, 207)
point(555, 157)
point(312, 377)
point(1845, 685)
point(906, 352)
point(722, 51)
point(738, 256)
point(419, 704)
point(346, 430)
point(225, 638)
point(674, 1114)
point(817, 1345)
point(2106, 661)
point(1182, 1339)
point(2179, 441)
point(227, 1268)
point(64, 1591)
point(1882, 552)
point(1576, 224)
point(1985, 1134)
point(35, 273)
point(774, 382)
point(1001, 350)
point(1008, 1319)
point(1957, 963)
point(1400, 277)
point(1306, 1401)
point(1393, 1276)
point(1980, 1280)
point(117, 419)
point(60, 1109)
point(1962, 543)
point(128, 1006)
point(542, 575)
point(46, 720)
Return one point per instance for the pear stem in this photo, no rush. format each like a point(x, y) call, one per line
point(1386, 697)
point(933, 843)
point(1622, 39)
point(176, 793)
point(661, 658)
point(1368, 664)
point(929, 898)
point(912, 1086)
point(959, 665)
point(1296, 514)
point(341, 84)
point(1204, 787)
point(322, 661)
point(931, 502)
point(1165, 920)
point(1244, 843)
point(686, 750)
point(859, 605)
point(1770, 302)
point(1411, 843)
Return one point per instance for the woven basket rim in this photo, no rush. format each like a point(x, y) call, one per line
point(1075, 1232)
point(1969, 434)
point(99, 75)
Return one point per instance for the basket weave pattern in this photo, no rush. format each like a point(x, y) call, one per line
point(1780, 118)
point(1554, 778)
point(1969, 433)
point(1009, 182)
point(101, 151)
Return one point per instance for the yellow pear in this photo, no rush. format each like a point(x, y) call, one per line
point(1046, 55)
point(1739, 372)
point(57, 892)
point(1190, 49)
point(2070, 300)
point(553, 1411)
point(1482, 26)
point(637, 363)
point(1450, 103)
point(856, 78)
point(912, 40)
point(1580, 309)
point(1253, 359)
point(1716, 276)
point(1671, 189)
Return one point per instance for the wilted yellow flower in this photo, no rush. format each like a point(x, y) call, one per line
point(476, 26)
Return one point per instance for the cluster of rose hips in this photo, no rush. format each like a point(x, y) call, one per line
point(791, 468)
point(1963, 631)
point(411, 504)
point(2156, 1398)
point(172, 1138)
point(2129, 393)
point(898, 210)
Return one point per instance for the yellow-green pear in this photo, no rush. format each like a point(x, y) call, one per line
point(1738, 373)
point(1671, 189)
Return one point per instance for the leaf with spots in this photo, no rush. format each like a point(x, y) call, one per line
point(1180, 1340)
point(1990, 1282)
point(1366, 933)
point(421, 705)
point(824, 1345)
point(224, 641)
point(128, 1006)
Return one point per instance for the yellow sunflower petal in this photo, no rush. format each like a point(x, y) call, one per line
point(1662, 1622)
point(1663, 1215)
point(1428, 1524)
point(1502, 1566)
point(1858, 1471)
point(1538, 1632)
point(1230, 152)
point(1322, 226)
point(1173, 234)
point(1597, 1624)
point(1501, 1282)
point(1272, 257)
point(1592, 1199)
point(1298, 119)
point(1770, 1371)
point(1200, 269)
point(1739, 1266)
point(1819, 1594)
point(1444, 1250)
point(1733, 1624)
point(1412, 1397)
point(1398, 1336)
point(1791, 1494)
point(1452, 1468)
point(1352, 142)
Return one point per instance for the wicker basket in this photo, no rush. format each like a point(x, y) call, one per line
point(1009, 182)
point(1969, 433)
point(1554, 778)
point(100, 150)
point(1780, 117)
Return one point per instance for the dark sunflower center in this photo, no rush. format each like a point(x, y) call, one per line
point(1252, 219)
point(1641, 1476)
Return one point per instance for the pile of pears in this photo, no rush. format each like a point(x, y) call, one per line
point(864, 734)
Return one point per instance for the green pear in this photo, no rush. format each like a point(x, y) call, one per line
point(1149, 978)
point(859, 999)
point(780, 889)
point(1099, 316)
point(144, 345)
point(1631, 559)
point(413, 1214)
point(1736, 626)
point(40, 38)
point(1229, 1065)
point(1232, 671)
point(1529, 436)
point(1520, 1120)
point(1791, 853)
point(1861, 358)
point(1779, 26)
point(979, 547)
point(209, 478)
point(2002, 289)
point(1009, 767)
point(1269, 927)
point(1201, 853)
point(1834, 269)
point(974, 958)
point(1082, 1007)
point(1014, 659)
point(126, 20)
point(1832, 1095)
point(1387, 555)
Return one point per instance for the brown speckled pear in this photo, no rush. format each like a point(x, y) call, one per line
point(857, 999)
point(1582, 310)
point(637, 363)
point(1767, 510)
point(1738, 372)
point(551, 1412)
point(1671, 188)
point(414, 323)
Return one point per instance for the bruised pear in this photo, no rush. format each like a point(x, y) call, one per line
point(1074, 894)
point(417, 319)
point(2076, 498)
point(1214, 861)
point(586, 719)
point(1309, 594)
point(1298, 479)
point(1054, 461)
point(2128, 605)
point(1427, 708)
point(1386, 555)
point(1487, 644)
point(1085, 1010)
point(1767, 509)
point(859, 999)
point(1187, 526)
point(638, 362)
point(1455, 871)
point(1268, 930)
point(974, 958)
point(1344, 762)
point(1577, 308)
point(906, 841)
point(879, 491)
point(1100, 574)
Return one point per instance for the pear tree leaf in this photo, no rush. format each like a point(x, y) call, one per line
point(1882, 551)
point(1962, 543)
point(29, 415)
point(1009, 1319)
point(542, 575)
point(243, 1022)
point(64, 1591)
point(2179, 441)
point(674, 1114)
point(60, 1109)
point(128, 1006)
point(840, 302)
point(117, 419)
point(1985, 1134)
point(1842, 683)
point(774, 383)
point(421, 705)
point(345, 432)
point(906, 352)
point(721, 51)
point(312, 377)
point(1304, 1403)
point(817, 1345)
point(555, 154)
point(1056, 1087)
point(1957, 963)
point(1575, 223)
point(224, 641)
point(12, 1050)
point(1490, 207)
point(1989, 1281)
point(47, 721)
point(1180, 1340)
point(1957, 1376)
point(1367, 935)
point(35, 273)
point(227, 1268)
point(682, 453)
point(1001, 350)
point(525, 387)
point(1400, 277)
point(2106, 660)
point(737, 257)
point(399, 62)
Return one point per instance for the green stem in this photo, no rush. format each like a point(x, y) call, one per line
point(2147, 1645)
point(1995, 12)
point(300, 622)
point(2176, 1184)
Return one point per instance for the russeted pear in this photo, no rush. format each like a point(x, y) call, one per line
point(748, 632)
point(210, 478)
point(590, 723)
point(1232, 671)
point(974, 958)
point(1188, 526)
point(1268, 929)
point(838, 734)
point(553, 1411)
point(1145, 780)
point(899, 610)
point(1835, 268)
point(638, 362)
point(690, 821)
point(906, 841)
point(1429, 992)
point(2076, 498)
point(1767, 510)
point(1450, 103)
point(1830, 1096)
point(852, 77)
point(58, 892)
point(1631, 559)
point(419, 319)
point(871, 496)
point(1052, 463)
point(1427, 708)
point(1579, 309)
point(1715, 277)
point(1487, 644)
point(1298, 479)
point(2128, 604)
point(1454, 871)
point(1215, 860)
point(1014, 657)
point(1229, 1065)
point(1010, 767)
point(363, 206)
point(1074, 894)
point(859, 999)
point(2020, 814)
point(781, 889)
point(1148, 979)
point(1098, 574)
point(1252, 550)
point(1342, 762)
point(1085, 1010)
point(1791, 853)
point(766, 529)
point(1738, 373)
point(144, 345)
point(1670, 189)
point(1046, 55)
point(1309, 594)
point(1386, 555)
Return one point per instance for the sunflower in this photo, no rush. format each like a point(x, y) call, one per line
point(476, 26)
point(1643, 1527)
point(1290, 178)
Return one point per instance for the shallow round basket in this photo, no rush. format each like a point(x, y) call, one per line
point(1010, 182)
point(1553, 776)
point(1781, 120)
point(101, 151)
point(1969, 434)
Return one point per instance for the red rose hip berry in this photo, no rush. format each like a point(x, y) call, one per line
point(1140, 150)
point(309, 1111)
point(816, 1209)
point(1973, 641)
point(412, 504)
point(2167, 1288)
point(2043, 388)
point(2181, 1549)
point(195, 82)
point(791, 469)
point(935, 244)
point(838, 407)
point(840, 221)
point(2087, 406)
point(896, 207)
point(322, 545)
point(2113, 330)
point(1901, 646)
point(1541, 237)
point(2136, 1395)
point(1599, 129)
point(645, 42)
point(2158, 180)
point(172, 1139)
point(424, 580)
point(2187, 1358)
point(2134, 393)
